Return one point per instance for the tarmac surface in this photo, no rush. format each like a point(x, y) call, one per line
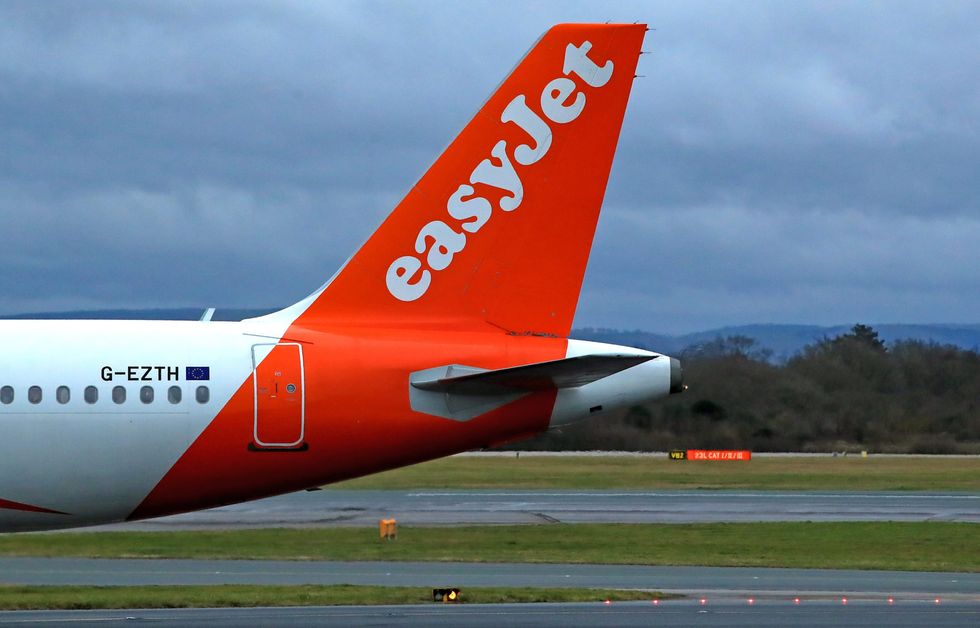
point(480, 507)
point(726, 591)
point(671, 613)
point(696, 581)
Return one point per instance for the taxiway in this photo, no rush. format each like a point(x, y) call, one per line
point(479, 507)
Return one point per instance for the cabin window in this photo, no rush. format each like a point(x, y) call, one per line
point(146, 394)
point(62, 394)
point(7, 394)
point(118, 394)
point(202, 394)
point(174, 394)
point(34, 394)
point(91, 394)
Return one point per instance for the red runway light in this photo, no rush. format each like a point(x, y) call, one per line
point(703, 601)
point(656, 602)
point(843, 600)
point(607, 602)
point(751, 600)
point(796, 600)
point(937, 600)
point(891, 600)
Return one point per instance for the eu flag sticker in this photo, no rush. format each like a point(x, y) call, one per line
point(198, 373)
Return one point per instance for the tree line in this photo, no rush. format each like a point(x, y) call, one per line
point(847, 393)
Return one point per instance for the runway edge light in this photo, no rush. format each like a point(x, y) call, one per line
point(446, 596)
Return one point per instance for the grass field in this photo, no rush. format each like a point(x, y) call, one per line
point(917, 546)
point(27, 598)
point(646, 472)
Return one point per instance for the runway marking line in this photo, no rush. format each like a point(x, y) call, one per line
point(706, 493)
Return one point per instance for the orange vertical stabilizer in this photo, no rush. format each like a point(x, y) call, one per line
point(498, 231)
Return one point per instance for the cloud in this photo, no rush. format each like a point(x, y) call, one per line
point(691, 266)
point(786, 162)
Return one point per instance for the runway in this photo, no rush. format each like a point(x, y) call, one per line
point(362, 508)
point(627, 614)
point(695, 581)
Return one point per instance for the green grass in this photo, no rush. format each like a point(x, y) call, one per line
point(34, 597)
point(922, 546)
point(645, 472)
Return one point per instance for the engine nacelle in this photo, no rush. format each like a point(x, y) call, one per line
point(656, 378)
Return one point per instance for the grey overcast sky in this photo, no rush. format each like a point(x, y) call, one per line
point(786, 162)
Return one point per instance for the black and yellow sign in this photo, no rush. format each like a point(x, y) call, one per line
point(678, 454)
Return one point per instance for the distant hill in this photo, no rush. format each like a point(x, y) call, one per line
point(783, 340)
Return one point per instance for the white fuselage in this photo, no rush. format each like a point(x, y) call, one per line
point(97, 460)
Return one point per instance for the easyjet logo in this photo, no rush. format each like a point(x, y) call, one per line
point(561, 100)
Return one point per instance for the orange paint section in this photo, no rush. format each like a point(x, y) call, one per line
point(358, 418)
point(503, 289)
point(522, 269)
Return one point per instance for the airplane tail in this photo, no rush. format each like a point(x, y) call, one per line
point(498, 231)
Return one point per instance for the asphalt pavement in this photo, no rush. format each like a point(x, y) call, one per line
point(732, 596)
point(687, 580)
point(480, 507)
point(626, 614)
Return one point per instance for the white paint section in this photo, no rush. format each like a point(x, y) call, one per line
point(100, 460)
point(641, 383)
point(555, 101)
point(404, 280)
point(407, 278)
point(502, 177)
point(531, 123)
point(578, 62)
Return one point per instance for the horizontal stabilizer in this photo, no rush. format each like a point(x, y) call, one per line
point(565, 373)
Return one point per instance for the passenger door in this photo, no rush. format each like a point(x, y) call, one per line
point(280, 396)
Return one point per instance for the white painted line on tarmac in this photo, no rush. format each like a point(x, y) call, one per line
point(708, 493)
